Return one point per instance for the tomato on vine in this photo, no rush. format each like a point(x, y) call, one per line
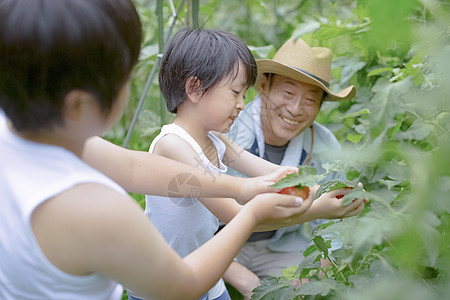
point(302, 191)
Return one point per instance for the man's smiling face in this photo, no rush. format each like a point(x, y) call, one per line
point(288, 108)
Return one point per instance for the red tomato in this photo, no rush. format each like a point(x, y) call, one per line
point(303, 192)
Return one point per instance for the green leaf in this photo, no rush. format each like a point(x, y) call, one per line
point(386, 104)
point(379, 71)
point(310, 262)
point(356, 193)
point(349, 70)
point(320, 287)
point(310, 250)
point(371, 230)
point(304, 272)
point(273, 288)
point(148, 51)
point(354, 138)
point(419, 130)
point(333, 185)
point(352, 175)
point(321, 244)
point(305, 27)
point(290, 272)
point(307, 176)
point(289, 180)
point(329, 31)
point(264, 52)
point(307, 170)
point(390, 183)
point(356, 114)
point(391, 132)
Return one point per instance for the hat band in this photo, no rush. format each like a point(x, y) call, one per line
point(313, 76)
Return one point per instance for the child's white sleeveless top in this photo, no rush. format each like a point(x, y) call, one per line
point(30, 174)
point(182, 219)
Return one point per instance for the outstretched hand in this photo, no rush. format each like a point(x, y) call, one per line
point(273, 211)
point(250, 187)
point(329, 205)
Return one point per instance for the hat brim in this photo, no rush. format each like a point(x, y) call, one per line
point(271, 66)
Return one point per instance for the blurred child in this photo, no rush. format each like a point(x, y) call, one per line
point(204, 76)
point(66, 230)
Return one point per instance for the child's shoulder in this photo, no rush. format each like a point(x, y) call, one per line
point(86, 198)
point(173, 146)
point(82, 220)
point(226, 140)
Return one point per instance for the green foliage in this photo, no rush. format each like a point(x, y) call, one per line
point(395, 135)
point(306, 176)
point(274, 288)
point(333, 185)
point(394, 142)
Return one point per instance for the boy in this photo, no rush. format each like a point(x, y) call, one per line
point(204, 76)
point(66, 230)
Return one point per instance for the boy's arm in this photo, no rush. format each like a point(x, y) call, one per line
point(225, 209)
point(79, 236)
point(145, 173)
point(246, 163)
point(326, 207)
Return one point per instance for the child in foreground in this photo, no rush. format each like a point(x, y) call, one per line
point(204, 76)
point(66, 230)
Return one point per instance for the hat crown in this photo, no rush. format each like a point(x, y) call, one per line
point(297, 60)
point(313, 60)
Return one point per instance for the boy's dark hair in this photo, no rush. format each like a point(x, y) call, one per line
point(209, 55)
point(48, 48)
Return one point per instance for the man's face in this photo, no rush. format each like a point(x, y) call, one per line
point(288, 108)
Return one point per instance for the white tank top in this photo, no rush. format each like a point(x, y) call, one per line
point(30, 174)
point(182, 219)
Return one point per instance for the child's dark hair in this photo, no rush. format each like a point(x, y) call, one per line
point(48, 48)
point(208, 55)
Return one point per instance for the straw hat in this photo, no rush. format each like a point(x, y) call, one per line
point(297, 60)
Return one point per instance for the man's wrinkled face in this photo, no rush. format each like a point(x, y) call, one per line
point(288, 108)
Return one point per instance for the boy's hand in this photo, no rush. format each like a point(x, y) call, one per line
point(250, 187)
point(329, 205)
point(277, 210)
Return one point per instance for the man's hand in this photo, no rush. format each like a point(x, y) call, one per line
point(329, 205)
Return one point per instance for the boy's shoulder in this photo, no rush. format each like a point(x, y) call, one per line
point(87, 199)
point(175, 142)
point(80, 220)
point(174, 147)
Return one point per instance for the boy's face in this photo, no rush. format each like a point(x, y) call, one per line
point(222, 104)
point(288, 108)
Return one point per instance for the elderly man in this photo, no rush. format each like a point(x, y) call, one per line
point(278, 125)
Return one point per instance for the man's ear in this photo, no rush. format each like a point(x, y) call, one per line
point(193, 89)
point(74, 103)
point(264, 84)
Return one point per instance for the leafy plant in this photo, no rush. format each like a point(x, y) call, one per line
point(395, 135)
point(394, 139)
